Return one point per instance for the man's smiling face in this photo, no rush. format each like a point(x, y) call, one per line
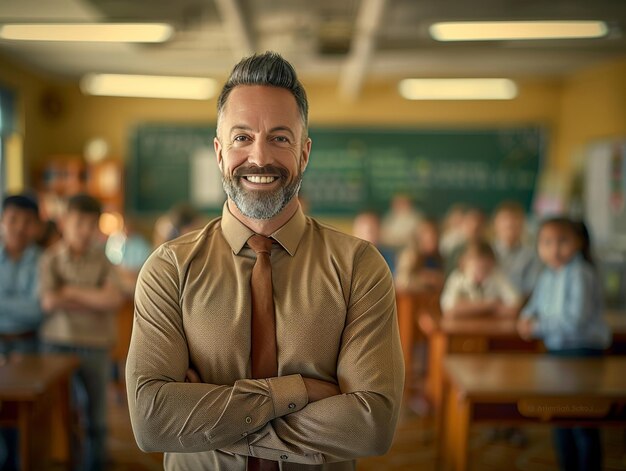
point(261, 149)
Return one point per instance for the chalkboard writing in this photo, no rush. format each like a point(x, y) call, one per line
point(355, 169)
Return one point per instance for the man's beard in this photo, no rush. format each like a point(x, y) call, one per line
point(261, 204)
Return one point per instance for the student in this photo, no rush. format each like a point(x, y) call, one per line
point(478, 287)
point(20, 312)
point(80, 293)
point(420, 271)
point(452, 229)
point(420, 266)
point(366, 226)
point(472, 230)
point(565, 310)
point(128, 250)
point(517, 259)
point(399, 223)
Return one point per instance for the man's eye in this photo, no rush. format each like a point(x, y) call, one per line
point(281, 139)
point(240, 138)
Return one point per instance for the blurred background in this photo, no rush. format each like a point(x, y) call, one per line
point(130, 119)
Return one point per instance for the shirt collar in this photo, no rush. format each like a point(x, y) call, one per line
point(288, 235)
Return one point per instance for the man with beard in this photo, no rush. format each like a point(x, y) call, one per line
point(316, 385)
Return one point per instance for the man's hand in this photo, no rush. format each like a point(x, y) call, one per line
point(318, 389)
point(192, 376)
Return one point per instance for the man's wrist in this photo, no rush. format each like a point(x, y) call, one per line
point(289, 394)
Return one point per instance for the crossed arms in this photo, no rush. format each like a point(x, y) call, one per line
point(311, 421)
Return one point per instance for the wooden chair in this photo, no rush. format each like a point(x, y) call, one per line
point(415, 310)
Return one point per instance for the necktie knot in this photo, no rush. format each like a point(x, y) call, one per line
point(260, 244)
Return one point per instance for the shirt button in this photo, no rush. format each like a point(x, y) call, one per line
point(284, 457)
point(292, 406)
point(248, 420)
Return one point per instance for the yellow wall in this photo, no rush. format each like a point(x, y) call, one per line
point(380, 105)
point(593, 106)
point(586, 106)
point(28, 87)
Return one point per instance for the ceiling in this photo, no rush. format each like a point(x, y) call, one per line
point(343, 40)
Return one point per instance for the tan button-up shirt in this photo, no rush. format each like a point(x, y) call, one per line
point(77, 328)
point(335, 321)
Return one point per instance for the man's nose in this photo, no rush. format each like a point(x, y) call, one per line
point(260, 154)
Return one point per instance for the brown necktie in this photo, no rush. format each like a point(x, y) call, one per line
point(263, 343)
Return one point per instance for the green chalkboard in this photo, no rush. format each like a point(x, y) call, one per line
point(160, 171)
point(362, 169)
point(352, 169)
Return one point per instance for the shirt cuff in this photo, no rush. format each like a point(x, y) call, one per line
point(288, 394)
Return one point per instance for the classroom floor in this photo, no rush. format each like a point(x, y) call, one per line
point(413, 448)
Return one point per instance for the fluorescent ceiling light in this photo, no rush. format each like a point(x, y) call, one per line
point(149, 86)
point(516, 30)
point(458, 89)
point(91, 32)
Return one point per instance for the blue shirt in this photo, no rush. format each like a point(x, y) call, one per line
point(20, 310)
point(568, 306)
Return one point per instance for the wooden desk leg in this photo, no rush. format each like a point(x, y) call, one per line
point(66, 418)
point(441, 415)
point(24, 437)
point(437, 354)
point(462, 434)
point(406, 323)
point(455, 436)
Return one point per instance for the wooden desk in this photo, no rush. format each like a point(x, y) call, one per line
point(472, 335)
point(517, 388)
point(489, 334)
point(617, 322)
point(31, 388)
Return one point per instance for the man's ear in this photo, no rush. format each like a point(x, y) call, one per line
point(306, 151)
point(218, 151)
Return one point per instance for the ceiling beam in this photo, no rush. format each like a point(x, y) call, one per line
point(235, 25)
point(369, 18)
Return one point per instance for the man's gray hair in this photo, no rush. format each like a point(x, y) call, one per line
point(268, 69)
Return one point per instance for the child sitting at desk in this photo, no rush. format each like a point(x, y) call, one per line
point(420, 266)
point(565, 310)
point(516, 257)
point(478, 287)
